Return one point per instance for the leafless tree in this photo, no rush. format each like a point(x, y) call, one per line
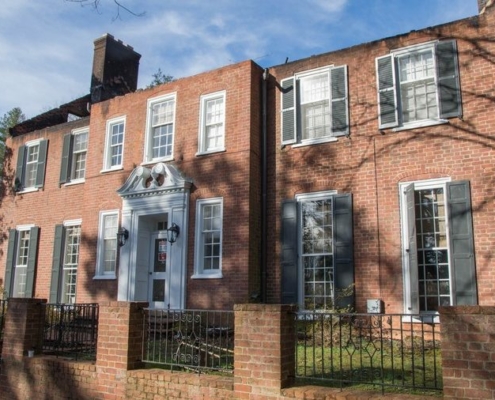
point(96, 5)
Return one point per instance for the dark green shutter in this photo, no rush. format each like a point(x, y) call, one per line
point(7, 284)
point(289, 131)
point(343, 250)
point(412, 252)
point(66, 155)
point(31, 262)
point(19, 170)
point(387, 92)
point(40, 169)
point(340, 117)
point(462, 243)
point(448, 79)
point(56, 263)
point(288, 256)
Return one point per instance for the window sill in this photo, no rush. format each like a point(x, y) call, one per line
point(315, 141)
point(423, 318)
point(420, 124)
point(157, 160)
point(104, 277)
point(205, 153)
point(75, 182)
point(217, 275)
point(105, 171)
point(28, 190)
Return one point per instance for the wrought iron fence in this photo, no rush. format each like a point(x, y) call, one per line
point(189, 339)
point(379, 350)
point(71, 330)
point(3, 310)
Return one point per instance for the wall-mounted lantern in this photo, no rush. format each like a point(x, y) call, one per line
point(173, 233)
point(122, 236)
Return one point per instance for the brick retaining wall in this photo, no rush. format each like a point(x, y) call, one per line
point(264, 360)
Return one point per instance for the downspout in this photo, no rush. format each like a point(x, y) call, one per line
point(263, 266)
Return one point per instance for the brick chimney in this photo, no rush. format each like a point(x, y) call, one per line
point(115, 69)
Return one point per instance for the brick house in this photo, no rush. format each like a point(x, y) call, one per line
point(183, 154)
point(359, 177)
point(382, 164)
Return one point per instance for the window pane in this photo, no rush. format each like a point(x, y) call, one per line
point(110, 226)
point(433, 267)
point(80, 147)
point(20, 268)
point(116, 144)
point(317, 260)
point(418, 87)
point(315, 106)
point(31, 166)
point(211, 236)
point(71, 260)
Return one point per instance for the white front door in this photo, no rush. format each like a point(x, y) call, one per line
point(159, 271)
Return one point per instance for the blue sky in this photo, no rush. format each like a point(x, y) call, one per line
point(46, 46)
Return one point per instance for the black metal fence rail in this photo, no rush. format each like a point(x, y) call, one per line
point(71, 330)
point(189, 339)
point(386, 351)
point(3, 310)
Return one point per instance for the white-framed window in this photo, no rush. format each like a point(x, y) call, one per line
point(315, 106)
point(65, 263)
point(21, 260)
point(74, 155)
point(212, 123)
point(437, 245)
point(30, 168)
point(160, 128)
point(419, 85)
point(209, 231)
point(114, 144)
point(107, 245)
point(317, 251)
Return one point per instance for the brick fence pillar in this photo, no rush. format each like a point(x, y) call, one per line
point(264, 358)
point(468, 352)
point(23, 328)
point(120, 334)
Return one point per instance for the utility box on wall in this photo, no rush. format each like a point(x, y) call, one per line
point(374, 306)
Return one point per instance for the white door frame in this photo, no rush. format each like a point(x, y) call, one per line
point(147, 193)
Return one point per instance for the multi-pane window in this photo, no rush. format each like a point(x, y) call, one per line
point(66, 250)
point(107, 244)
point(438, 245)
point(30, 169)
point(31, 165)
point(433, 249)
point(161, 126)
point(317, 267)
point(80, 148)
point(314, 106)
point(71, 261)
point(74, 154)
point(209, 227)
point(317, 254)
point(21, 261)
point(212, 133)
point(418, 85)
point(114, 143)
point(19, 284)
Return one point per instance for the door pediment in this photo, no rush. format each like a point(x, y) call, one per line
point(158, 180)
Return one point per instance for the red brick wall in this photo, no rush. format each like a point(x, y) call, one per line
point(468, 348)
point(370, 164)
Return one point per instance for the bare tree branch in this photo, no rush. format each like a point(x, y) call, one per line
point(96, 5)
